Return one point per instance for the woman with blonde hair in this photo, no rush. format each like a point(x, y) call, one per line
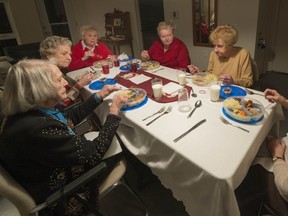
point(167, 50)
point(231, 63)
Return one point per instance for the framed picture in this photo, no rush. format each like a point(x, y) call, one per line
point(117, 22)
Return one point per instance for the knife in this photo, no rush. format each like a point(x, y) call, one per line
point(184, 134)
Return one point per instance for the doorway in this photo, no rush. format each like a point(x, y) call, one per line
point(151, 13)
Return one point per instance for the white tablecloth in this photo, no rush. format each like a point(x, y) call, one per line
point(204, 167)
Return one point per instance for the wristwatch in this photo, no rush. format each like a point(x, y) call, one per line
point(278, 158)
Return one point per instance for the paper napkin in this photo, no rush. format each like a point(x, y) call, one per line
point(171, 88)
point(140, 79)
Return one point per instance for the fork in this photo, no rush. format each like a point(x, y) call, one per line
point(159, 111)
point(252, 92)
point(168, 110)
point(234, 125)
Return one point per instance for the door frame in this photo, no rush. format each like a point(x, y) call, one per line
point(266, 29)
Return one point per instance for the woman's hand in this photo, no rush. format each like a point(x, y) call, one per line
point(226, 79)
point(117, 103)
point(107, 90)
point(145, 56)
point(85, 80)
point(277, 147)
point(273, 96)
point(111, 57)
point(88, 54)
point(193, 69)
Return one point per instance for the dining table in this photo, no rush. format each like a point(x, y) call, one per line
point(203, 168)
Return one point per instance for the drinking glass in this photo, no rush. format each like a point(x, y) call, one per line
point(116, 62)
point(133, 67)
point(181, 77)
point(105, 69)
point(183, 100)
point(214, 91)
point(157, 88)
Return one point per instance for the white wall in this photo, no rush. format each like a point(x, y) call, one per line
point(229, 12)
point(92, 12)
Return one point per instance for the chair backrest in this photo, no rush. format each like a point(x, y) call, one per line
point(15, 193)
point(114, 176)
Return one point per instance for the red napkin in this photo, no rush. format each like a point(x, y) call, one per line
point(147, 85)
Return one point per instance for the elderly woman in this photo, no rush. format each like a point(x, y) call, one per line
point(168, 50)
point(231, 63)
point(57, 50)
point(37, 146)
point(89, 49)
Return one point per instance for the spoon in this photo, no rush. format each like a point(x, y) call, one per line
point(193, 93)
point(159, 111)
point(198, 103)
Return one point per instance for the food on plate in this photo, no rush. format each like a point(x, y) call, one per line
point(135, 95)
point(150, 65)
point(232, 103)
point(100, 63)
point(129, 75)
point(227, 90)
point(203, 79)
point(243, 109)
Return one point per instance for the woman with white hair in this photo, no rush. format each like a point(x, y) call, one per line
point(89, 49)
point(167, 50)
point(57, 50)
point(38, 147)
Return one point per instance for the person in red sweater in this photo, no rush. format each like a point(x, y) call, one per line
point(167, 50)
point(89, 50)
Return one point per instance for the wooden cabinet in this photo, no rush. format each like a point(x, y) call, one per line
point(118, 30)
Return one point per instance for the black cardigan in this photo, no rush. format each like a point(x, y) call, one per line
point(38, 151)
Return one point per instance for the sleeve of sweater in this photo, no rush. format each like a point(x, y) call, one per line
point(183, 57)
point(51, 144)
point(246, 76)
point(77, 55)
point(82, 111)
point(281, 177)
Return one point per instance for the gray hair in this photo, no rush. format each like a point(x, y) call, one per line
point(49, 45)
point(28, 84)
point(165, 25)
point(87, 28)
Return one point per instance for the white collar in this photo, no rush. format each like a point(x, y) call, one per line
point(84, 46)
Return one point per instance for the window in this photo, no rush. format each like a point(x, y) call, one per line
point(7, 36)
